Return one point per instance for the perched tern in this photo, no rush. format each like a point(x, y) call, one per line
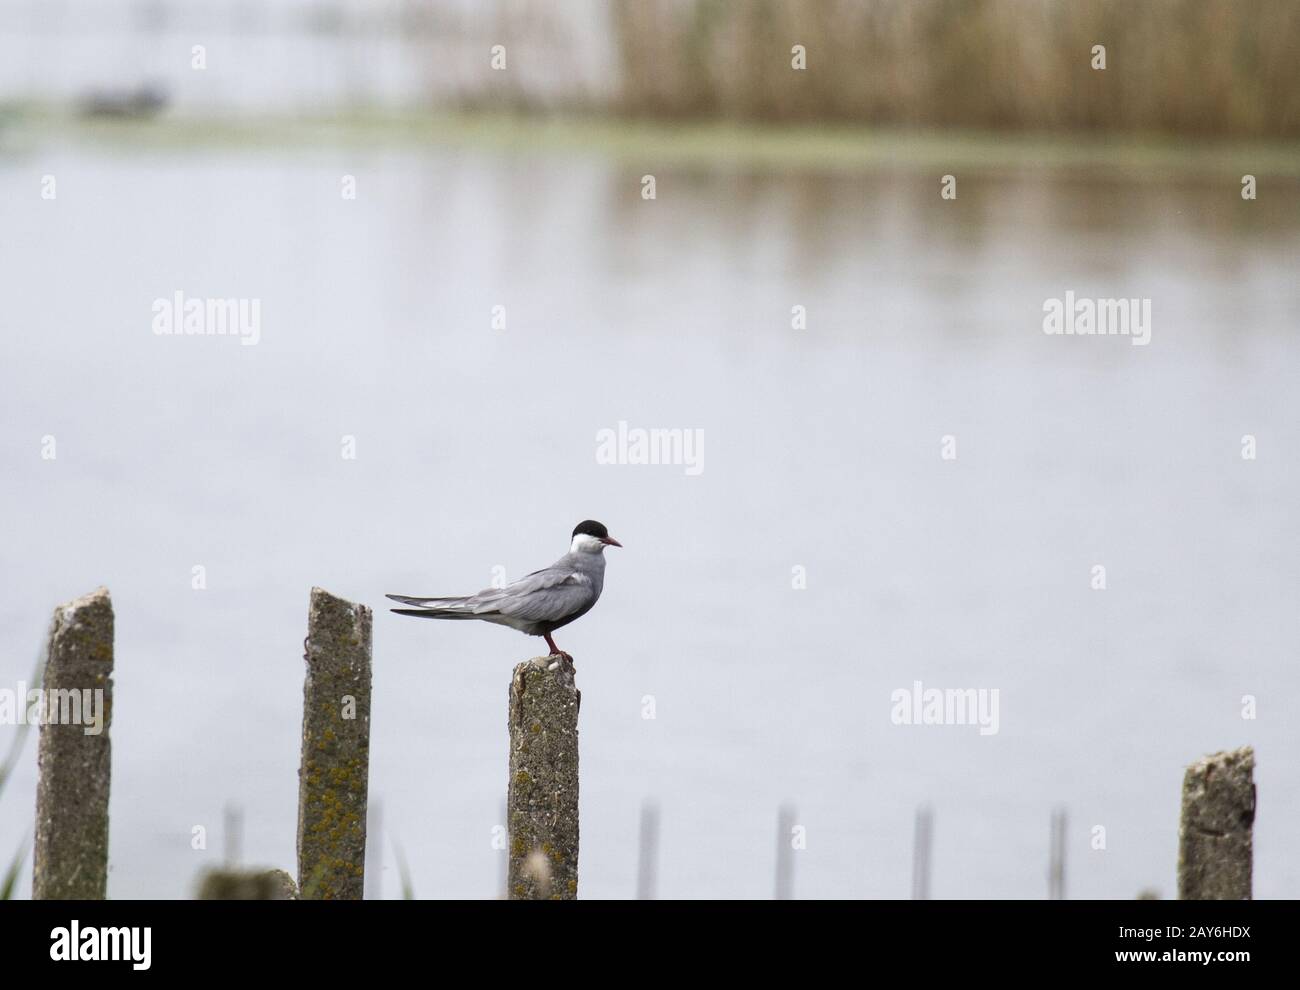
point(538, 603)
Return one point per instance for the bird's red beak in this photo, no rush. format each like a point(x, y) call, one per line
point(609, 541)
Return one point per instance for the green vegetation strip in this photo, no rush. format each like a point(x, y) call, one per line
point(652, 144)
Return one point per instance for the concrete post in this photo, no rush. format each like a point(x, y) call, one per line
point(75, 755)
point(335, 770)
point(247, 885)
point(1215, 834)
point(542, 795)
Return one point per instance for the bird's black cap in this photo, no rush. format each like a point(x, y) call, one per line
point(589, 527)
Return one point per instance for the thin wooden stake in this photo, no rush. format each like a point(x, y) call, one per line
point(648, 852)
point(1056, 855)
point(921, 842)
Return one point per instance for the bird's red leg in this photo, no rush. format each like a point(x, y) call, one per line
point(555, 650)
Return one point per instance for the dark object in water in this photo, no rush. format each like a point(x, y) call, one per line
point(147, 101)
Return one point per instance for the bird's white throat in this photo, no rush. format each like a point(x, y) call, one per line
point(583, 543)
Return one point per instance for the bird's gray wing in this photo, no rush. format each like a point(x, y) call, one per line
point(548, 595)
point(545, 596)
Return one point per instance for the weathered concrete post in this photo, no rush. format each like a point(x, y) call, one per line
point(542, 796)
point(247, 885)
point(1215, 833)
point(334, 775)
point(75, 756)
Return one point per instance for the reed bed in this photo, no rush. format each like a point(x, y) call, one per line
point(1227, 68)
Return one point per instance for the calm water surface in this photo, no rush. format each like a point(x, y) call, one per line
point(475, 449)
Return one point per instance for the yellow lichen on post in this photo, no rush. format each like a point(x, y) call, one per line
point(334, 776)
